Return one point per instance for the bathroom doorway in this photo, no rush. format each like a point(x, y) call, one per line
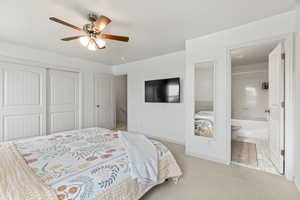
point(257, 106)
point(120, 85)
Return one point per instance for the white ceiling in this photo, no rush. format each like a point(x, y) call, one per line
point(155, 27)
point(252, 54)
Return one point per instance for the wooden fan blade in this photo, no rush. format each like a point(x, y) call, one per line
point(66, 24)
point(102, 22)
point(73, 37)
point(115, 37)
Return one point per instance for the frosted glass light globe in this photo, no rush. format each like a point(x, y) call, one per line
point(84, 41)
point(92, 46)
point(101, 43)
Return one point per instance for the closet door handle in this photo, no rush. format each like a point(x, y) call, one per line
point(267, 111)
point(98, 106)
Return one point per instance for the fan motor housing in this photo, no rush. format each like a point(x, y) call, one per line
point(90, 29)
point(93, 17)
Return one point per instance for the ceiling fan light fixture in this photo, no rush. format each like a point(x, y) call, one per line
point(92, 46)
point(101, 43)
point(101, 27)
point(84, 41)
point(93, 37)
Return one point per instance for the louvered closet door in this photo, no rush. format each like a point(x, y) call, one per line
point(62, 101)
point(22, 101)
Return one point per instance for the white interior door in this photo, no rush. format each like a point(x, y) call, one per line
point(276, 104)
point(62, 101)
point(22, 101)
point(104, 101)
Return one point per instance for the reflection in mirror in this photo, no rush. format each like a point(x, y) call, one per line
point(204, 99)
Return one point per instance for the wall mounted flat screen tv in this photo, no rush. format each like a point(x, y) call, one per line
point(162, 91)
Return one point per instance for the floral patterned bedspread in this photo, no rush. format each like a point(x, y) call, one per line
point(80, 164)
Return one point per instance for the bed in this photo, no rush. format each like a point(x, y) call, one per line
point(87, 164)
point(204, 122)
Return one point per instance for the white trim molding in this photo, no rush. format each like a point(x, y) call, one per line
point(205, 157)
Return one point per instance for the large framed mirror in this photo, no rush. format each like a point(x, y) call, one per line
point(204, 117)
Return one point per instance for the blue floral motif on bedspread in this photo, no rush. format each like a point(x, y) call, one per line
point(80, 164)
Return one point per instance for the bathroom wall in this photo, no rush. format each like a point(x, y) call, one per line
point(249, 100)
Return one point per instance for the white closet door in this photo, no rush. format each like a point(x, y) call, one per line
point(62, 101)
point(104, 101)
point(22, 101)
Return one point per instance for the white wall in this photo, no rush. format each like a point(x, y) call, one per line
point(40, 58)
point(297, 99)
point(165, 120)
point(248, 100)
point(215, 47)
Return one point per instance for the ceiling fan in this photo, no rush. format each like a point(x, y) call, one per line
point(93, 37)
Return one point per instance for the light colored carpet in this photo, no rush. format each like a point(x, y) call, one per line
point(205, 180)
point(244, 152)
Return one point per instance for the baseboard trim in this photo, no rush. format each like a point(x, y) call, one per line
point(205, 157)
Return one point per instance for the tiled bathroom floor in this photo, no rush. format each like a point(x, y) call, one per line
point(263, 161)
point(244, 152)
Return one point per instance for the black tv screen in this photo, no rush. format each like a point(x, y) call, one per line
point(162, 91)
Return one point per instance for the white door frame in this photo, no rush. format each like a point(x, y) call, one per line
point(289, 99)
